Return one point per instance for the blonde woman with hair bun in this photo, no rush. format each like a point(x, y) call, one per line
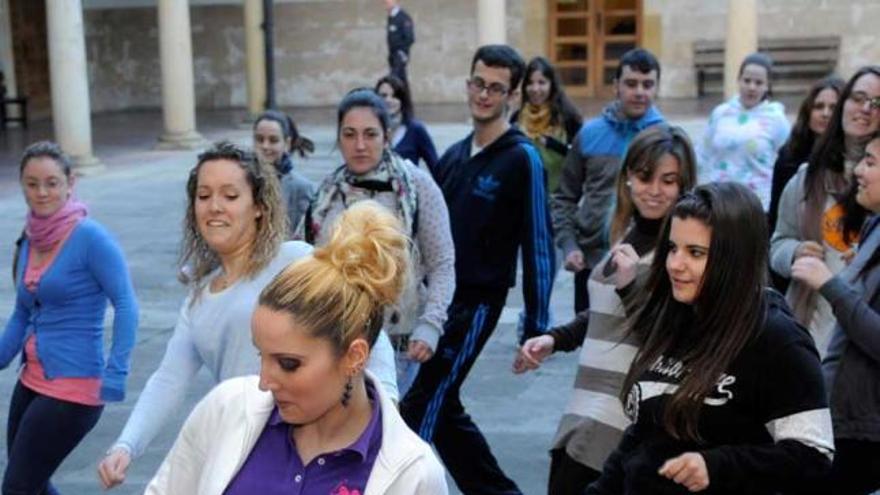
point(313, 417)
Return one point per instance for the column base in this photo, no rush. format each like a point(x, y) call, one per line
point(86, 165)
point(189, 140)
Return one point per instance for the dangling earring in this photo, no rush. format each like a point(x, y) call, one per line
point(346, 394)
point(629, 183)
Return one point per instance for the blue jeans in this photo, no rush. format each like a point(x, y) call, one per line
point(40, 433)
point(407, 369)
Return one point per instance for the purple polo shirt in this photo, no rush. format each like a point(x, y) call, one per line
point(274, 465)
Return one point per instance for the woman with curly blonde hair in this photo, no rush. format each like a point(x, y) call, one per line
point(313, 414)
point(232, 246)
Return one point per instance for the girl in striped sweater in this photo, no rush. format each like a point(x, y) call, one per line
point(658, 168)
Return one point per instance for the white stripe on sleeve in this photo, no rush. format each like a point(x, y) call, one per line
point(812, 428)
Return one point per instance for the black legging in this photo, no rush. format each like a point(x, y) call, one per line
point(568, 476)
point(40, 433)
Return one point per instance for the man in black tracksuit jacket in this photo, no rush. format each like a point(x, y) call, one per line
point(493, 182)
point(401, 36)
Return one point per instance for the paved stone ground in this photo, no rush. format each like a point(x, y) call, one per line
point(140, 198)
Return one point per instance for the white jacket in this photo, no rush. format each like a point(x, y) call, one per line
point(224, 427)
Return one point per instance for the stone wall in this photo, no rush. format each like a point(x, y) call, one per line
point(122, 47)
point(853, 20)
point(323, 48)
point(326, 47)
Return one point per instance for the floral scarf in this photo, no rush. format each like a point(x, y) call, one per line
point(342, 185)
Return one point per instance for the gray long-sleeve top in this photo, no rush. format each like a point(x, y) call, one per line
point(852, 365)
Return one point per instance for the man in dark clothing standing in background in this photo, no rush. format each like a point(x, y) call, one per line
point(401, 35)
point(493, 181)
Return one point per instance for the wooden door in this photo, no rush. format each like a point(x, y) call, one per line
point(587, 39)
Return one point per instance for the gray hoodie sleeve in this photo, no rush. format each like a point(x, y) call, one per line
point(564, 200)
point(165, 391)
point(786, 237)
point(858, 320)
point(299, 192)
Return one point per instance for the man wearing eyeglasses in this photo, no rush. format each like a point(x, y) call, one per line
point(582, 200)
point(493, 182)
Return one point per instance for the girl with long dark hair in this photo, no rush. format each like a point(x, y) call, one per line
point(726, 391)
point(658, 168)
point(852, 366)
point(813, 118)
point(818, 215)
point(276, 139)
point(547, 116)
point(408, 136)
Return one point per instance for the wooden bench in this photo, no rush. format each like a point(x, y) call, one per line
point(797, 62)
point(6, 102)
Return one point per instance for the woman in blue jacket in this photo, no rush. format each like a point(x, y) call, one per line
point(66, 268)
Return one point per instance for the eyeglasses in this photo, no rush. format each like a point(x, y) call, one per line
point(477, 85)
point(860, 98)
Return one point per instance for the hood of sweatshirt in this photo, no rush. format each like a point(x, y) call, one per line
point(611, 132)
point(614, 117)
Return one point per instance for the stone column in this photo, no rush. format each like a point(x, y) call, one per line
point(68, 73)
point(491, 22)
point(742, 39)
point(178, 91)
point(255, 57)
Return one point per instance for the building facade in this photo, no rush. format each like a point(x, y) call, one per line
point(325, 47)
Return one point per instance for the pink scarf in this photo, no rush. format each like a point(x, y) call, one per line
point(45, 232)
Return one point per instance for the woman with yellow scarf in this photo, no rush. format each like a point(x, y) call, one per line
point(547, 116)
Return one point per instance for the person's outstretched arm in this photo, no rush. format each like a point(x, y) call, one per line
point(537, 248)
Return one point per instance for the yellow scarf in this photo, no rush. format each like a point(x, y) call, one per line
point(535, 120)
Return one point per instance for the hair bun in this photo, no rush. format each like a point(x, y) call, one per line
point(369, 249)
